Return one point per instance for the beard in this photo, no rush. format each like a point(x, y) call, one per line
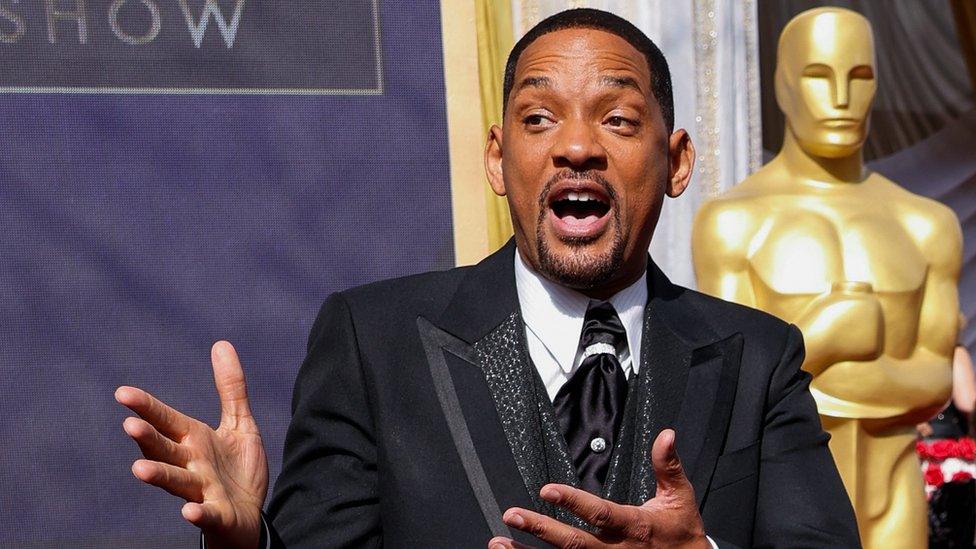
point(582, 268)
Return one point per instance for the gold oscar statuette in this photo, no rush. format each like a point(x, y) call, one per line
point(865, 269)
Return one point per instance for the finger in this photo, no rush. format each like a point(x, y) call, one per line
point(168, 421)
point(154, 445)
point(671, 479)
point(175, 480)
point(229, 379)
point(203, 515)
point(548, 529)
point(506, 543)
point(607, 515)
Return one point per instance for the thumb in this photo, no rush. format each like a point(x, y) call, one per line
point(229, 379)
point(671, 479)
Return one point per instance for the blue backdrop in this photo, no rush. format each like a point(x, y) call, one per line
point(136, 229)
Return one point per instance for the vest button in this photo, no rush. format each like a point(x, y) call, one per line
point(598, 445)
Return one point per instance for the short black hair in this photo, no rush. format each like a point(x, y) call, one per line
point(587, 18)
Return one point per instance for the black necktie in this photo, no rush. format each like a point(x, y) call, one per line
point(590, 406)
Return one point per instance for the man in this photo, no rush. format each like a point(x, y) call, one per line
point(428, 405)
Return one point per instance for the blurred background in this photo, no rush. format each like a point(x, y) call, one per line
point(173, 173)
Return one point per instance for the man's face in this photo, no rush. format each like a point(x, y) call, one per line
point(583, 158)
point(826, 82)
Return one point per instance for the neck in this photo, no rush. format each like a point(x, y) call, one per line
point(627, 277)
point(845, 169)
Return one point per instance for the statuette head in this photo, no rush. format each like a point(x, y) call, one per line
point(825, 80)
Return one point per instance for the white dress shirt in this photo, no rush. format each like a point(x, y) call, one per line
point(553, 317)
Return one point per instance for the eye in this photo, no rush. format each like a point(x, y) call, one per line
point(818, 70)
point(618, 122)
point(537, 121)
point(862, 71)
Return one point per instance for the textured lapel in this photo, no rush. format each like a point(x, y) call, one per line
point(502, 357)
point(489, 390)
point(687, 382)
point(665, 360)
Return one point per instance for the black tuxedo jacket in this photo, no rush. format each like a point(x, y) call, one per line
point(417, 420)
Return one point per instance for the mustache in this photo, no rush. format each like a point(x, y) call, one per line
point(584, 175)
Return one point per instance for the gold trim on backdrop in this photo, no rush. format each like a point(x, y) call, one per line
point(494, 19)
point(477, 36)
point(464, 130)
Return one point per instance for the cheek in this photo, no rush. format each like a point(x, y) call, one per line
point(814, 100)
point(639, 206)
point(862, 95)
point(523, 195)
point(525, 172)
point(641, 174)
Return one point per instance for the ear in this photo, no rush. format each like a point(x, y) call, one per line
point(493, 160)
point(681, 162)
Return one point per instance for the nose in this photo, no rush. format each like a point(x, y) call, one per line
point(577, 146)
point(842, 91)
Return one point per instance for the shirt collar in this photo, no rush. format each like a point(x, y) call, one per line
point(555, 313)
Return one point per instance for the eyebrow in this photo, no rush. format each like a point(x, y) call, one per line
point(609, 80)
point(534, 82)
point(621, 82)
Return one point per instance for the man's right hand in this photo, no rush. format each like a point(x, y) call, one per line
point(222, 473)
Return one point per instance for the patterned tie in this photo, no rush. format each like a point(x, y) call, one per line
point(590, 406)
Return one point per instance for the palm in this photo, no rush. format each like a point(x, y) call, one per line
point(669, 519)
point(241, 465)
point(222, 473)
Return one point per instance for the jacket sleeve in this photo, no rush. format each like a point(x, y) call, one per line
point(326, 494)
point(801, 499)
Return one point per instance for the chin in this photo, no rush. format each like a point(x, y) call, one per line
point(581, 264)
point(834, 145)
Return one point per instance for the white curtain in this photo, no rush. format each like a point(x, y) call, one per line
point(712, 51)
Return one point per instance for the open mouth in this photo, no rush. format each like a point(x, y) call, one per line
point(579, 210)
point(580, 206)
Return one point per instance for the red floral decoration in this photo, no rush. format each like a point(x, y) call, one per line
point(933, 475)
point(961, 476)
point(943, 449)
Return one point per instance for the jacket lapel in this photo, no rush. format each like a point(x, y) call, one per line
point(665, 361)
point(707, 409)
point(488, 388)
point(687, 382)
point(449, 359)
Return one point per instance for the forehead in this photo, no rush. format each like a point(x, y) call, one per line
point(830, 38)
point(582, 51)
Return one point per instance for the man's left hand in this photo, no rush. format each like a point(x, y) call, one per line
point(669, 519)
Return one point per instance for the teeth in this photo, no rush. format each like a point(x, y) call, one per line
point(581, 197)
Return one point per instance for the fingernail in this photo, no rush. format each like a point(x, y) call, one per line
point(549, 493)
point(516, 520)
point(497, 546)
